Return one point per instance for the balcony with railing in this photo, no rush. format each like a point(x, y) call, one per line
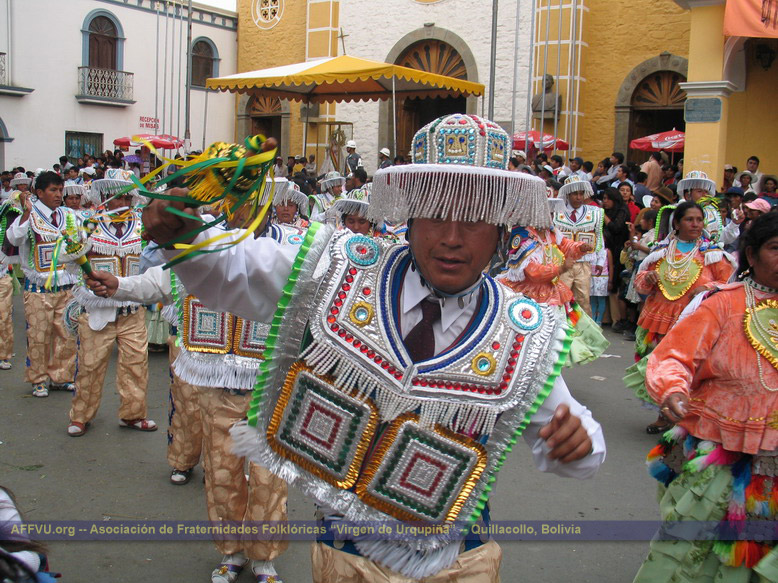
point(6, 85)
point(105, 86)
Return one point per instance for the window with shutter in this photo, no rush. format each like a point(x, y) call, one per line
point(202, 63)
point(103, 40)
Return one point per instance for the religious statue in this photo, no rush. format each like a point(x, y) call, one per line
point(548, 104)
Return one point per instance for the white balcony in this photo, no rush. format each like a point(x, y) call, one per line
point(105, 87)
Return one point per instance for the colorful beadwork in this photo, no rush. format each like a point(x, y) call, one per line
point(483, 364)
point(361, 314)
point(205, 330)
point(362, 251)
point(417, 473)
point(110, 264)
point(43, 255)
point(496, 148)
point(249, 338)
point(525, 314)
point(295, 239)
point(322, 429)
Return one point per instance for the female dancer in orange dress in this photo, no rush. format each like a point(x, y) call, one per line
point(684, 263)
point(716, 376)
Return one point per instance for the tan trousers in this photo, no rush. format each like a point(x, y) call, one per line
point(51, 351)
point(132, 366)
point(481, 565)
point(6, 324)
point(185, 427)
point(228, 495)
point(579, 279)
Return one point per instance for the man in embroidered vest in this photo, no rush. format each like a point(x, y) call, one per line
point(114, 245)
point(580, 222)
point(51, 350)
point(216, 366)
point(396, 377)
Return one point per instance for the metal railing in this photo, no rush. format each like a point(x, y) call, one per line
point(105, 83)
point(4, 69)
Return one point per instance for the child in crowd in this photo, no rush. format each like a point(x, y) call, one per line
point(602, 266)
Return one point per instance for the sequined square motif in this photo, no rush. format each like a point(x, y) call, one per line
point(109, 264)
point(250, 338)
point(204, 329)
point(131, 265)
point(321, 428)
point(43, 254)
point(423, 475)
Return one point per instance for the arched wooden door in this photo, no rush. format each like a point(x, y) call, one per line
point(434, 56)
point(656, 106)
point(265, 114)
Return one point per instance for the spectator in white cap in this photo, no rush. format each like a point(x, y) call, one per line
point(291, 207)
point(384, 155)
point(353, 160)
point(73, 195)
point(520, 155)
point(331, 189)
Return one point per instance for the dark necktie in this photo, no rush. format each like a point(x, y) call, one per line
point(420, 342)
point(574, 215)
point(119, 229)
point(55, 219)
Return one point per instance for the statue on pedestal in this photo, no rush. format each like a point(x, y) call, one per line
point(548, 104)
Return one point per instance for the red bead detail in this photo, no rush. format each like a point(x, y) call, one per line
point(398, 375)
point(482, 132)
point(334, 327)
point(330, 319)
point(463, 121)
point(390, 370)
point(349, 337)
point(458, 386)
point(512, 361)
point(495, 346)
point(349, 278)
point(363, 348)
point(415, 382)
point(370, 353)
point(424, 382)
point(342, 295)
point(366, 291)
point(353, 270)
point(449, 384)
point(509, 369)
point(526, 314)
point(514, 353)
point(334, 311)
point(338, 303)
point(385, 365)
point(506, 378)
point(357, 343)
point(481, 390)
point(346, 287)
point(342, 333)
point(361, 249)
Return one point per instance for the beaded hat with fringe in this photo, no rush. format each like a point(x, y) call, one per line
point(575, 183)
point(356, 202)
point(73, 189)
point(332, 179)
point(697, 179)
point(291, 193)
point(459, 171)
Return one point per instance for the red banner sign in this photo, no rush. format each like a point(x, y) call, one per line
point(753, 18)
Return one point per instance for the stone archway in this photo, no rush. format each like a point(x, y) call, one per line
point(250, 112)
point(662, 62)
point(442, 38)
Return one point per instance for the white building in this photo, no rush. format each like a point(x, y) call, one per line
point(76, 75)
point(450, 37)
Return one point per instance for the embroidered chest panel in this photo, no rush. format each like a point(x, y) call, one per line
point(412, 441)
point(43, 237)
point(713, 224)
point(587, 229)
point(117, 255)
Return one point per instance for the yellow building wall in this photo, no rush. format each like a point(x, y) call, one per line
point(283, 44)
point(753, 117)
point(621, 35)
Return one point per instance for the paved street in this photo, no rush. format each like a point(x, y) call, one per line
point(112, 473)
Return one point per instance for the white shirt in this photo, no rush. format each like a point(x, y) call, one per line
point(151, 287)
point(247, 280)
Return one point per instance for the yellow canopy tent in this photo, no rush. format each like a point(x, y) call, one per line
point(345, 78)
